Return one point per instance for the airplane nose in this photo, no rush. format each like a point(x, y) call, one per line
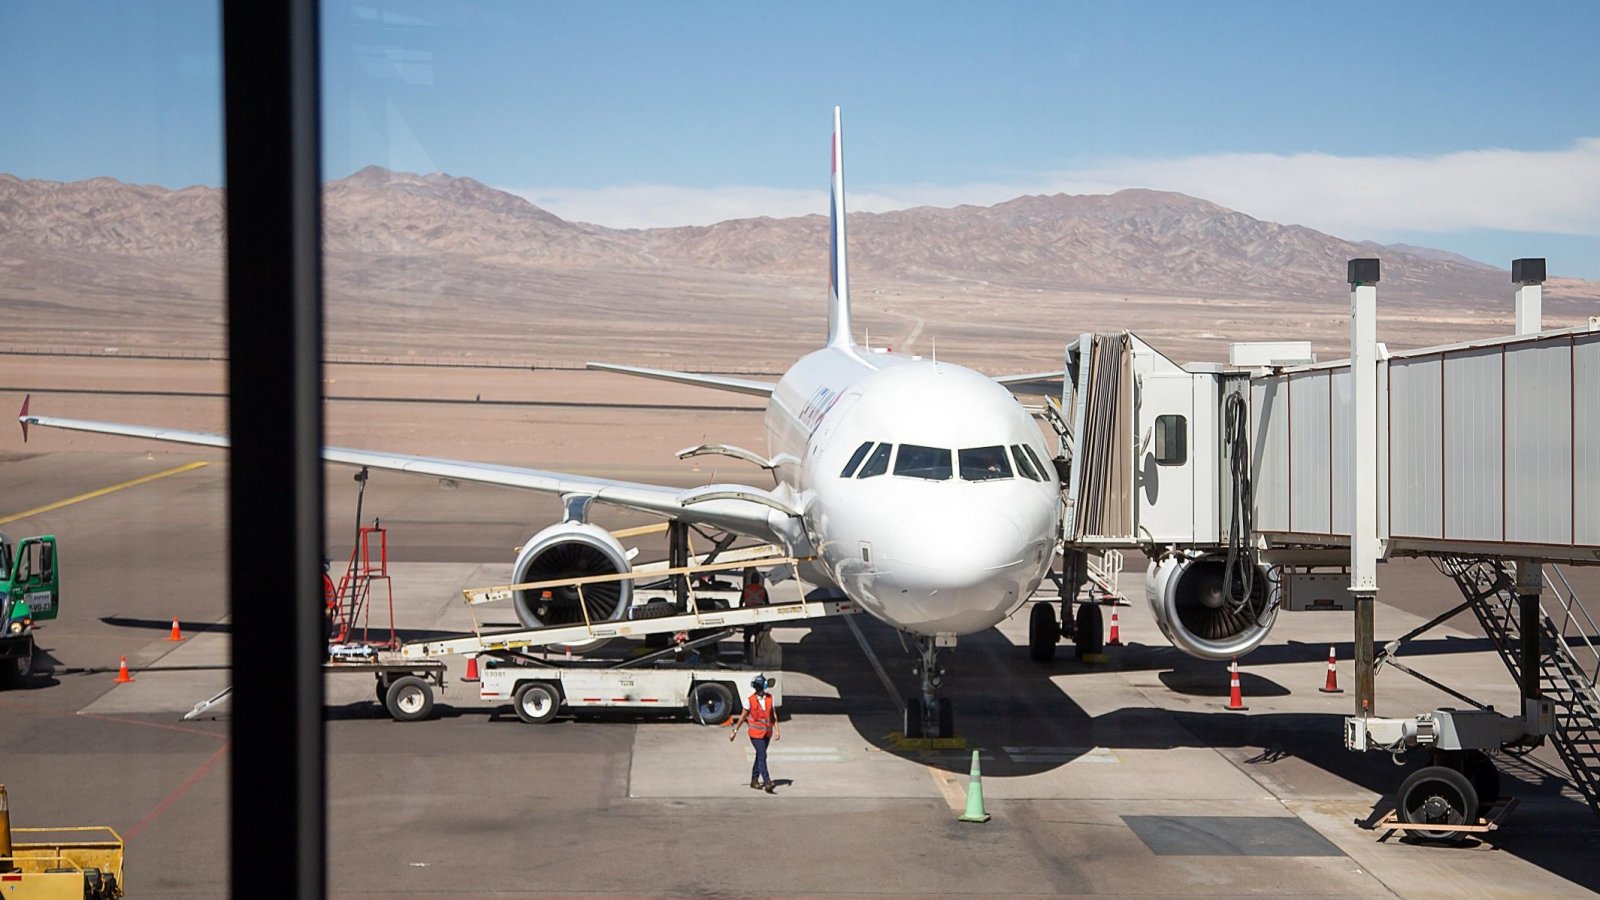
point(956, 547)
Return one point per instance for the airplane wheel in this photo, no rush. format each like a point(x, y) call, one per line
point(1043, 633)
point(1437, 795)
point(947, 718)
point(913, 718)
point(1090, 636)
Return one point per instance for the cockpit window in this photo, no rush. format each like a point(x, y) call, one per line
point(877, 463)
point(932, 463)
point(984, 463)
point(855, 460)
point(1044, 473)
point(1025, 465)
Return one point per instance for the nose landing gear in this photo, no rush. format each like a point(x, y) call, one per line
point(930, 715)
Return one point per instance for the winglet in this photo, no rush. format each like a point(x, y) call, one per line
point(838, 272)
point(22, 416)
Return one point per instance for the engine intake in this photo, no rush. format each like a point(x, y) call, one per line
point(571, 550)
point(1187, 595)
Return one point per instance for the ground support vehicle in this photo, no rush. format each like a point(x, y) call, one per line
point(85, 866)
point(30, 582)
point(708, 690)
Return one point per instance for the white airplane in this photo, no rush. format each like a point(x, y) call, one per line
point(921, 490)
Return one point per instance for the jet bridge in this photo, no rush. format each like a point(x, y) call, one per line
point(1276, 482)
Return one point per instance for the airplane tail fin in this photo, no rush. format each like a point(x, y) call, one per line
point(838, 273)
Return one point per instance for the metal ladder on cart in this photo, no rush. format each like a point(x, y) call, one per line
point(1569, 661)
point(355, 591)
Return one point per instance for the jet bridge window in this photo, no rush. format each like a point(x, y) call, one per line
point(877, 463)
point(1172, 440)
point(1025, 465)
point(932, 463)
point(855, 460)
point(984, 464)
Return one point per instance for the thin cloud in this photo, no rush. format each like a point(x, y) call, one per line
point(1508, 190)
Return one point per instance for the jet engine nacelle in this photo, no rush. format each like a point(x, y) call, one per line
point(1187, 595)
point(571, 550)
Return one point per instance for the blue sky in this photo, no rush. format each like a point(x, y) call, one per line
point(1466, 126)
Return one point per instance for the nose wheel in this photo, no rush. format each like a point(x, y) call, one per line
point(929, 715)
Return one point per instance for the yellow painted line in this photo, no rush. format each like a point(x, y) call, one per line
point(40, 510)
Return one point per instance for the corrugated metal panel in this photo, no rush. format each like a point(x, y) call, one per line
point(1310, 457)
point(1269, 441)
point(1472, 445)
point(1344, 447)
point(1538, 437)
point(1586, 440)
point(1415, 475)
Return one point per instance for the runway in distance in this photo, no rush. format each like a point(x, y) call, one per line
point(920, 489)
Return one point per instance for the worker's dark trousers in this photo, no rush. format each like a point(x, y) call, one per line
point(758, 772)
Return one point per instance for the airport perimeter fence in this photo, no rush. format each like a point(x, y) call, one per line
point(465, 361)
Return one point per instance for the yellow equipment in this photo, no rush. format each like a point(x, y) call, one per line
point(89, 869)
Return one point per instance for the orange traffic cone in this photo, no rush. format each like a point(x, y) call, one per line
point(1115, 640)
point(176, 635)
point(1235, 698)
point(472, 669)
point(122, 671)
point(1332, 684)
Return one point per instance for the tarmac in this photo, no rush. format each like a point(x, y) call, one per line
point(1123, 778)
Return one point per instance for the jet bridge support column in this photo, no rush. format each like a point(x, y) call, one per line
point(1528, 276)
point(1363, 278)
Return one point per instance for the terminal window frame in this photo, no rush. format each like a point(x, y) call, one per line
point(984, 463)
point(1171, 440)
point(917, 461)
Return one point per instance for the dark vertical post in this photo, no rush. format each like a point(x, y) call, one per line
point(1364, 542)
point(275, 422)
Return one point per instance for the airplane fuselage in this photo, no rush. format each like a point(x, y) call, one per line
point(925, 487)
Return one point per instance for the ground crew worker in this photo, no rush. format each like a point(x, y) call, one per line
point(755, 594)
point(763, 729)
point(330, 601)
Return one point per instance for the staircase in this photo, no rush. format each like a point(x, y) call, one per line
point(1569, 661)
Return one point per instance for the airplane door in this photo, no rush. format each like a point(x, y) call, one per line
point(1164, 468)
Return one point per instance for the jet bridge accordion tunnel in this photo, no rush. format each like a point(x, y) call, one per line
point(1487, 448)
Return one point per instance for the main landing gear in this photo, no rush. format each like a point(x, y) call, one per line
point(1088, 631)
point(930, 715)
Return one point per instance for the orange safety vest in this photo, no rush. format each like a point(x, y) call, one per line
point(329, 594)
point(760, 715)
point(754, 595)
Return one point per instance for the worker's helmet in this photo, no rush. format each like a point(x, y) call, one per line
point(759, 682)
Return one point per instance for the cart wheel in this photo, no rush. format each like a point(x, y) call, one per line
point(409, 699)
point(536, 702)
point(1043, 633)
point(1090, 635)
point(1437, 795)
point(711, 702)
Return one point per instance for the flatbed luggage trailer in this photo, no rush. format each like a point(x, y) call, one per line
point(540, 687)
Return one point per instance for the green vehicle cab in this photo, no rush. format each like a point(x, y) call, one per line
point(30, 592)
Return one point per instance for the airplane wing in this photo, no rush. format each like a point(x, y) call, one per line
point(718, 382)
point(747, 510)
point(1033, 382)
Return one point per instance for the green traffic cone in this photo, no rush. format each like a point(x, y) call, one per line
point(975, 811)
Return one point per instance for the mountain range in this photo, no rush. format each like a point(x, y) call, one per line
point(389, 232)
